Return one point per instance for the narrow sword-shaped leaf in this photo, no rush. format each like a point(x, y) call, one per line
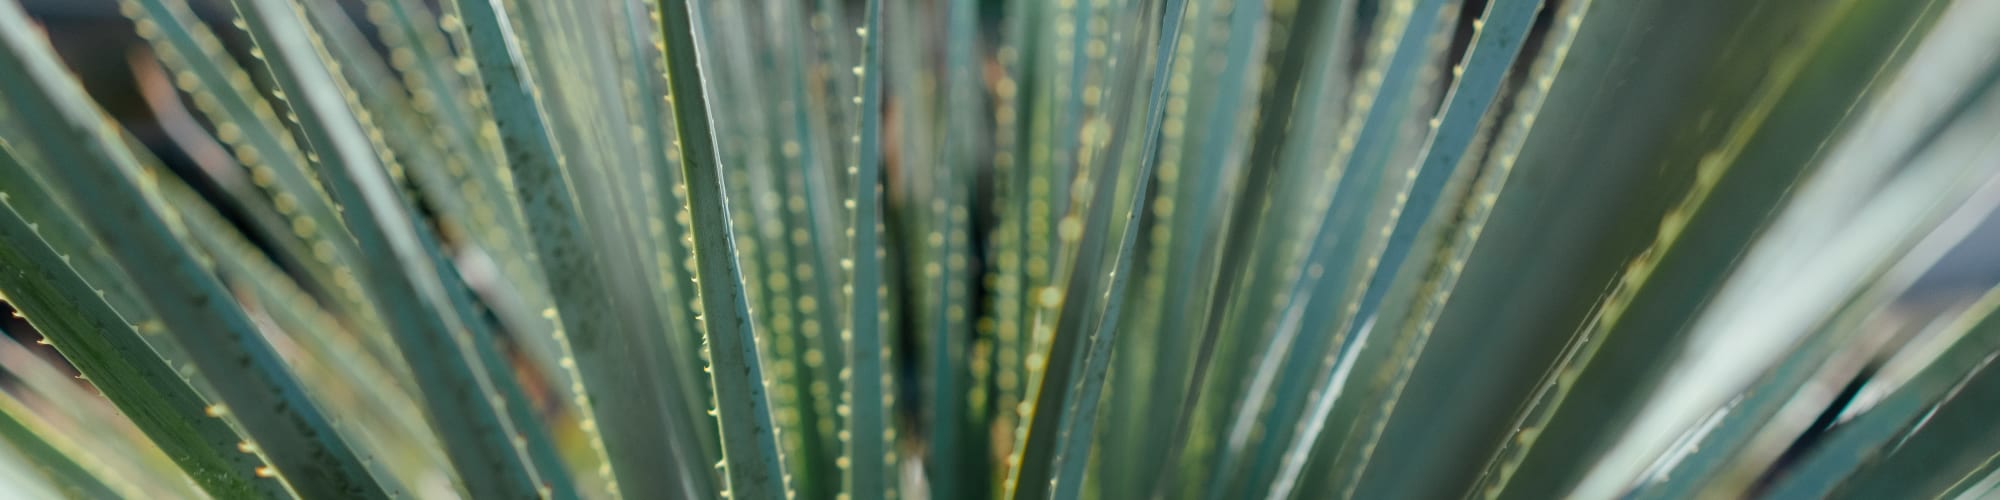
point(626, 425)
point(99, 343)
point(750, 447)
point(1049, 427)
point(1080, 414)
point(1331, 24)
point(1497, 39)
point(390, 413)
point(866, 449)
point(673, 270)
point(407, 285)
point(1779, 135)
point(266, 399)
point(1358, 182)
point(1192, 257)
point(1898, 134)
point(1446, 249)
point(307, 225)
point(1163, 347)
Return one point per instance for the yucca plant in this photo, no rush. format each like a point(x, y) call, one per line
point(763, 249)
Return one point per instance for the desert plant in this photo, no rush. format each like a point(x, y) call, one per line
point(765, 249)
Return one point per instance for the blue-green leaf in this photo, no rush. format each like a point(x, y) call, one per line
point(192, 305)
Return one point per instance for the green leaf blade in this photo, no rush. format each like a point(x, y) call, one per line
point(267, 400)
point(753, 465)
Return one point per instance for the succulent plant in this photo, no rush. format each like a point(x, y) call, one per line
point(765, 249)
